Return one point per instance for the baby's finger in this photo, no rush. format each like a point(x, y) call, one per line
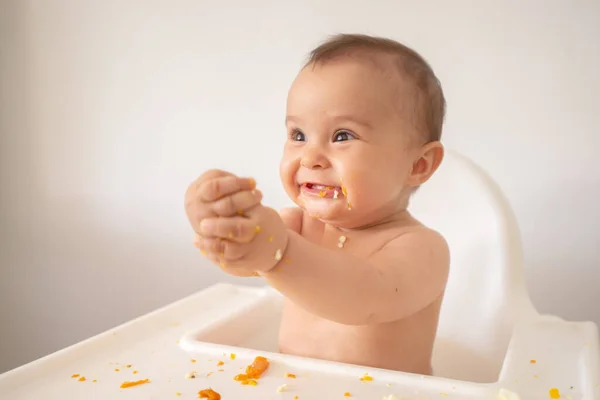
point(211, 245)
point(217, 188)
point(237, 203)
point(235, 229)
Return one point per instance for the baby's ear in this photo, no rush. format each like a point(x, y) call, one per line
point(426, 163)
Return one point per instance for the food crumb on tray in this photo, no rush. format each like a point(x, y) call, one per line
point(209, 394)
point(126, 385)
point(191, 375)
point(281, 388)
point(554, 393)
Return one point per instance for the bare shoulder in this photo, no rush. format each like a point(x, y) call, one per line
point(421, 242)
point(419, 252)
point(292, 218)
point(413, 265)
point(420, 237)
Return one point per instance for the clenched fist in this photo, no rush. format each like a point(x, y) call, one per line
point(233, 229)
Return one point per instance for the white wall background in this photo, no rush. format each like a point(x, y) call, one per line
point(108, 109)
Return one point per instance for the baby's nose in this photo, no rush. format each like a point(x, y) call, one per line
point(314, 158)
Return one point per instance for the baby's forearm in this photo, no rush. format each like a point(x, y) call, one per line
point(328, 283)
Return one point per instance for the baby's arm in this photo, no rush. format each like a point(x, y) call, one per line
point(406, 275)
point(292, 218)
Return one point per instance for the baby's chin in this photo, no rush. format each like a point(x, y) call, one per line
point(324, 209)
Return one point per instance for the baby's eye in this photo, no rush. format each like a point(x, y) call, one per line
point(297, 136)
point(342, 136)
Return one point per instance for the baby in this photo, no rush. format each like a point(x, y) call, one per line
point(363, 280)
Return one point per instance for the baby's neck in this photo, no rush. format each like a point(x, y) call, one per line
point(399, 217)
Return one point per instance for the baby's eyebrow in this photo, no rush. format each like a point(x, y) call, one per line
point(350, 118)
point(291, 118)
point(337, 119)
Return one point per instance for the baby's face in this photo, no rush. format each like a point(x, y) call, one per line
point(347, 133)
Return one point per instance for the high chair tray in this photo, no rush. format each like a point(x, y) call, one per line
point(202, 331)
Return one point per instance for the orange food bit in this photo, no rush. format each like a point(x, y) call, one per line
point(257, 368)
point(117, 369)
point(240, 212)
point(128, 366)
point(126, 385)
point(209, 394)
point(135, 372)
point(253, 371)
point(94, 381)
point(192, 360)
point(220, 363)
point(288, 375)
point(177, 394)
point(232, 355)
point(75, 376)
point(270, 238)
point(344, 191)
point(82, 379)
point(533, 361)
point(295, 397)
point(240, 377)
point(322, 193)
point(257, 229)
point(220, 370)
point(366, 378)
point(554, 393)
point(347, 394)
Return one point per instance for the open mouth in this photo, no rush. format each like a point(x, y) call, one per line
point(323, 191)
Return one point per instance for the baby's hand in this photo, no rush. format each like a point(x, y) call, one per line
point(219, 194)
point(244, 245)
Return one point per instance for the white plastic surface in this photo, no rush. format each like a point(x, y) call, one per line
point(486, 289)
point(489, 332)
point(228, 319)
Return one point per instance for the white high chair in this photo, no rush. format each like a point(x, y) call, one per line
point(486, 293)
point(491, 342)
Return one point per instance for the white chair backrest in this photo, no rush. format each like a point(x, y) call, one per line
point(486, 291)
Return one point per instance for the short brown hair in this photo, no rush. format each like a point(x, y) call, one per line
point(431, 105)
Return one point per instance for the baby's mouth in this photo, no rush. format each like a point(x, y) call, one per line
point(322, 191)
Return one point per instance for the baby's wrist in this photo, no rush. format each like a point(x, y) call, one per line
point(279, 255)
